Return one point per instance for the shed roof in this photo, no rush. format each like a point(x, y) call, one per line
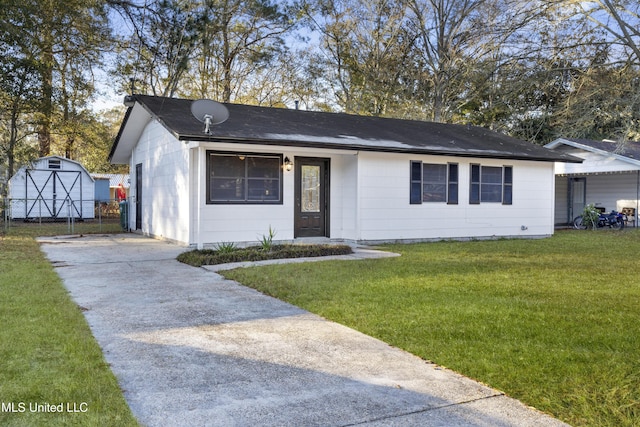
point(298, 128)
point(39, 165)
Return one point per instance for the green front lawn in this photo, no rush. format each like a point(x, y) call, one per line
point(49, 361)
point(552, 322)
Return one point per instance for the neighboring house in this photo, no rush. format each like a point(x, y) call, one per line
point(52, 188)
point(338, 176)
point(107, 185)
point(609, 177)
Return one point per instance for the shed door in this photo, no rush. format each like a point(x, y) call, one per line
point(311, 198)
point(54, 194)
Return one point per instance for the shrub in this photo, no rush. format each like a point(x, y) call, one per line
point(201, 257)
point(267, 240)
point(590, 216)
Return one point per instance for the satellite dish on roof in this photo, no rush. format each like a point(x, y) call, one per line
point(209, 112)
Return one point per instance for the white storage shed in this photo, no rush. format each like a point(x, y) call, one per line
point(52, 188)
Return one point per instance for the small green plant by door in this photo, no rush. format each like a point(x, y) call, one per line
point(267, 240)
point(590, 216)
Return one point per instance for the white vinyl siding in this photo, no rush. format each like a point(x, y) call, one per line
point(368, 197)
point(385, 213)
point(165, 184)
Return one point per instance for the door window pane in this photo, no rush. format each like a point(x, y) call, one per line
point(310, 188)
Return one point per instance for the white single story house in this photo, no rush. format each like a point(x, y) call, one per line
point(52, 188)
point(608, 177)
point(330, 175)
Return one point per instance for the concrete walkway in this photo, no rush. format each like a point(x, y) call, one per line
point(190, 348)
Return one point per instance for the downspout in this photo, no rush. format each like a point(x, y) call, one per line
point(358, 230)
point(26, 192)
point(569, 216)
point(635, 220)
point(195, 199)
point(81, 198)
point(199, 179)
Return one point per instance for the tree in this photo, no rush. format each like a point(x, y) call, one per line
point(203, 48)
point(605, 100)
point(605, 104)
point(18, 95)
point(57, 37)
point(97, 136)
point(621, 20)
point(468, 52)
point(366, 52)
point(19, 92)
point(445, 37)
point(156, 55)
point(238, 39)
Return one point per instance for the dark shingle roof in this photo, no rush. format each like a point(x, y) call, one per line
point(287, 127)
point(630, 149)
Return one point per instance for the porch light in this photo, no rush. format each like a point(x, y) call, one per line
point(288, 164)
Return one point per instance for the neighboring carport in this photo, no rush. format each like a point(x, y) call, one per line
point(608, 177)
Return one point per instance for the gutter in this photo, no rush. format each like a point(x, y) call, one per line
point(380, 149)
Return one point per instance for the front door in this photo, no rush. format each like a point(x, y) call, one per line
point(311, 199)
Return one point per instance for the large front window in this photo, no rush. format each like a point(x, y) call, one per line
point(244, 178)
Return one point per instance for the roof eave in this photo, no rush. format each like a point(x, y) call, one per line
point(133, 124)
point(562, 141)
point(358, 147)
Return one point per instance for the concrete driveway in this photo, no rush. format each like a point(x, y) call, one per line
point(190, 348)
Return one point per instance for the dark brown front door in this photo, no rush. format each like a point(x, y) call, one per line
point(312, 201)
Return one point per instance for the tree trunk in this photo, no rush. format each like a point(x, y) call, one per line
point(46, 107)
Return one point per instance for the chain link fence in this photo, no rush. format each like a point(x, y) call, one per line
point(102, 216)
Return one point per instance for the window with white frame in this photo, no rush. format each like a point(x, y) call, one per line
point(236, 178)
point(491, 184)
point(434, 182)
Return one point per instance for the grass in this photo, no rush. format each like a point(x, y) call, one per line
point(554, 323)
point(226, 253)
point(47, 353)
